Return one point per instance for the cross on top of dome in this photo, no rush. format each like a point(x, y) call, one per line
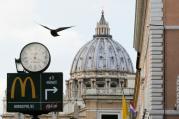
point(102, 20)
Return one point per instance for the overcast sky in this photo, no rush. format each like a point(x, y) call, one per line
point(18, 26)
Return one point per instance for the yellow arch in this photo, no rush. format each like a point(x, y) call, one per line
point(23, 87)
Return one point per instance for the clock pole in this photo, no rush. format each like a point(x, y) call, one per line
point(35, 117)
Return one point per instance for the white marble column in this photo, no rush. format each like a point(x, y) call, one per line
point(79, 88)
point(67, 89)
point(107, 83)
point(82, 87)
point(93, 83)
point(71, 88)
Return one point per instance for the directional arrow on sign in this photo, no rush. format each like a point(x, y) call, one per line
point(54, 89)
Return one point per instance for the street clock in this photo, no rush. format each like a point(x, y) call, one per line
point(35, 57)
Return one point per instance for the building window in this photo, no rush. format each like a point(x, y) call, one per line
point(113, 85)
point(125, 83)
point(88, 85)
point(122, 59)
point(100, 85)
point(106, 116)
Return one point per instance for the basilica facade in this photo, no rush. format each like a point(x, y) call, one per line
point(101, 73)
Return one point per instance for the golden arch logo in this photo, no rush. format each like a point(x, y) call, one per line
point(23, 86)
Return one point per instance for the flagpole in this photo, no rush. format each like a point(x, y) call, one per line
point(124, 113)
point(122, 87)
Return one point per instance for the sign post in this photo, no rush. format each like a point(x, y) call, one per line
point(34, 93)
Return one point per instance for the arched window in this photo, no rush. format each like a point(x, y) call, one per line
point(113, 85)
point(88, 85)
point(100, 83)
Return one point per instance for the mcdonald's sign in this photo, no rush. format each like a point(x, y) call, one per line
point(23, 86)
point(34, 92)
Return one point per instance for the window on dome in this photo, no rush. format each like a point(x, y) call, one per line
point(122, 59)
point(100, 85)
point(113, 85)
point(118, 49)
point(88, 85)
point(125, 83)
point(100, 79)
point(110, 48)
point(129, 60)
point(112, 61)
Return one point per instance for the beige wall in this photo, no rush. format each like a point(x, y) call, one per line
point(171, 12)
point(91, 115)
point(172, 66)
point(94, 105)
point(110, 104)
point(172, 117)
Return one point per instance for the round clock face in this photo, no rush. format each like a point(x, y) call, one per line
point(35, 57)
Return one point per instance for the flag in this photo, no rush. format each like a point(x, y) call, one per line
point(132, 110)
point(124, 108)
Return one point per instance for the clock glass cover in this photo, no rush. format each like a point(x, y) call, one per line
point(35, 57)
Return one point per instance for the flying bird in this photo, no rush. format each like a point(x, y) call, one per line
point(54, 32)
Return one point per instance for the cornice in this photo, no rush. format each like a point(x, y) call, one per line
point(139, 22)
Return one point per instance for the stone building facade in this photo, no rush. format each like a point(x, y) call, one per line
point(156, 41)
point(100, 73)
